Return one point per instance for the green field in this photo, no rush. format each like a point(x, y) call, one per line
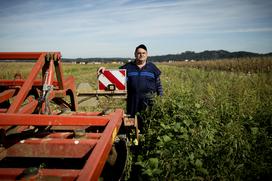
point(211, 124)
point(214, 121)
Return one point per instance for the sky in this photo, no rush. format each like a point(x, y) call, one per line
point(113, 28)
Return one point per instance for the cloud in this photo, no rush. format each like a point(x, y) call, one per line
point(111, 23)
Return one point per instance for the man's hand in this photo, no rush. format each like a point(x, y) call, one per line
point(101, 70)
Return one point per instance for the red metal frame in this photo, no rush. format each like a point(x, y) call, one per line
point(45, 63)
point(60, 145)
point(29, 132)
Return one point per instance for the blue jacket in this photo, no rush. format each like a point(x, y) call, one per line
point(141, 85)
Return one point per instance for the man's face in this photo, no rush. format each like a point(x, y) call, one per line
point(141, 55)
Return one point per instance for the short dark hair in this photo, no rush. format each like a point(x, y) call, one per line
point(141, 46)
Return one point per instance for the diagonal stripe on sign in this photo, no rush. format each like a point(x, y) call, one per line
point(119, 75)
point(103, 82)
point(123, 71)
point(101, 86)
point(113, 79)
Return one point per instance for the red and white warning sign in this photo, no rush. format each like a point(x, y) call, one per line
point(112, 79)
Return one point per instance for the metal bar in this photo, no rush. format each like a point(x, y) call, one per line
point(56, 174)
point(60, 135)
point(70, 134)
point(52, 120)
point(20, 129)
point(69, 85)
point(50, 73)
point(70, 90)
point(26, 109)
point(20, 82)
point(56, 93)
point(29, 108)
point(67, 82)
point(86, 113)
point(59, 73)
point(43, 174)
point(95, 163)
point(59, 141)
point(70, 128)
point(5, 95)
point(98, 92)
point(93, 135)
point(44, 69)
point(3, 110)
point(38, 83)
point(10, 173)
point(14, 107)
point(20, 55)
point(51, 148)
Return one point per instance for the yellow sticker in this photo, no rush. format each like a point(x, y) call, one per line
point(114, 133)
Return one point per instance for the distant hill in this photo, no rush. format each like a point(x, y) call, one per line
point(205, 55)
point(187, 55)
point(105, 60)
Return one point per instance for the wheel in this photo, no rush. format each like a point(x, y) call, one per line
point(118, 163)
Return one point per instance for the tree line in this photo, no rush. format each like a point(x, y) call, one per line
point(184, 56)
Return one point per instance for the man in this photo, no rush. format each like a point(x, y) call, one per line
point(143, 81)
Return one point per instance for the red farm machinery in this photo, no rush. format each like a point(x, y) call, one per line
point(40, 141)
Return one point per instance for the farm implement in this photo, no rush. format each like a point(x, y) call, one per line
point(41, 140)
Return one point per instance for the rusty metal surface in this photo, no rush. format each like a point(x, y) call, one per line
point(26, 86)
point(51, 148)
point(29, 108)
point(44, 174)
point(73, 146)
point(52, 120)
point(95, 163)
point(5, 95)
point(22, 55)
point(68, 145)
